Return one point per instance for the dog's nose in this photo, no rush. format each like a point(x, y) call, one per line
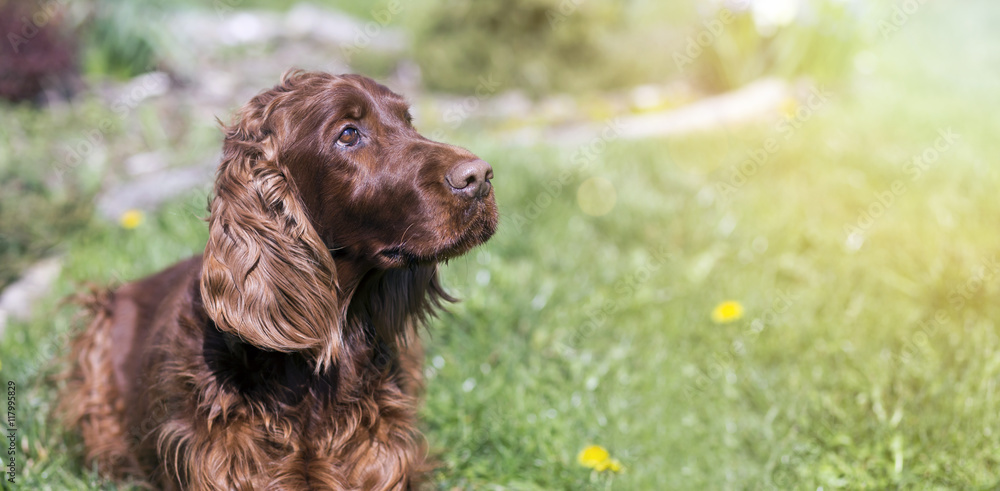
point(470, 179)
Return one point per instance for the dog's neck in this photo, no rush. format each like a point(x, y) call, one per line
point(350, 274)
point(389, 304)
point(383, 310)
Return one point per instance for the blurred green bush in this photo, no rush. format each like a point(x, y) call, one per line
point(43, 196)
point(123, 38)
point(742, 41)
point(543, 46)
point(536, 45)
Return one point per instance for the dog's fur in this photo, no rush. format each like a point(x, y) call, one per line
point(286, 357)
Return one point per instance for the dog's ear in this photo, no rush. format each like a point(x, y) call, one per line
point(267, 275)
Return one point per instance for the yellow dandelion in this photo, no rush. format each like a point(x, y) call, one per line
point(727, 311)
point(592, 456)
point(131, 219)
point(597, 457)
point(612, 465)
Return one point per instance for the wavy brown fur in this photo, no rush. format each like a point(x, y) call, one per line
point(287, 356)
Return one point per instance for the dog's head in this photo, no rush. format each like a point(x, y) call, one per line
point(323, 179)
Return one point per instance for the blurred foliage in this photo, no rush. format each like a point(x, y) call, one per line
point(45, 193)
point(41, 200)
point(123, 38)
point(815, 38)
point(44, 40)
point(536, 45)
point(551, 45)
point(39, 52)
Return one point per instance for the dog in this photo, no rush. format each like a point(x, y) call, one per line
point(287, 355)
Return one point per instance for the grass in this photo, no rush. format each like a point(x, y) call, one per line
point(577, 329)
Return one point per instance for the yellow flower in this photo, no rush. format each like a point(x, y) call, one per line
point(727, 311)
point(597, 458)
point(609, 465)
point(131, 219)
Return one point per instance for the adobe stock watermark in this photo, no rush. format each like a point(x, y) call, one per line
point(710, 32)
point(785, 128)
point(224, 7)
point(364, 35)
point(958, 297)
point(724, 361)
point(886, 198)
point(54, 348)
point(901, 13)
point(623, 289)
point(458, 112)
point(919, 343)
point(30, 26)
point(565, 9)
point(581, 159)
point(141, 88)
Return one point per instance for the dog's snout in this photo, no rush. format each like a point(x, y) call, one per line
point(470, 179)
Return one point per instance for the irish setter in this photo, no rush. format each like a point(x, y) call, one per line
point(287, 356)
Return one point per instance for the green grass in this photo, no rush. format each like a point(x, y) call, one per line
point(576, 329)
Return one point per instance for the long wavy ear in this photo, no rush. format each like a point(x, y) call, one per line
point(267, 275)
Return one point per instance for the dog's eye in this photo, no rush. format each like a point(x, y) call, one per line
point(349, 137)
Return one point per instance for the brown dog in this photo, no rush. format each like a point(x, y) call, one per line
point(287, 356)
